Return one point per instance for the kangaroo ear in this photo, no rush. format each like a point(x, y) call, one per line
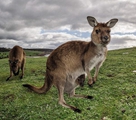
point(112, 22)
point(92, 21)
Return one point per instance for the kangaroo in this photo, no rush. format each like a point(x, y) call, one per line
point(68, 62)
point(80, 80)
point(16, 61)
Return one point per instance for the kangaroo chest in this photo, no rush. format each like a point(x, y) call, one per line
point(97, 59)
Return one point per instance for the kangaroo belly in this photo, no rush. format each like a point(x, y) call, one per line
point(71, 80)
point(69, 86)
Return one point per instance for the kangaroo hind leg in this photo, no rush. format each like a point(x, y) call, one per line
point(60, 86)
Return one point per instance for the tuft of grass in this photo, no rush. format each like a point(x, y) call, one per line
point(114, 92)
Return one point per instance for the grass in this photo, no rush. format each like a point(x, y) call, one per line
point(3, 55)
point(114, 92)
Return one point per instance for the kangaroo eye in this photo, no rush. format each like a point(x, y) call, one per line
point(97, 31)
point(108, 31)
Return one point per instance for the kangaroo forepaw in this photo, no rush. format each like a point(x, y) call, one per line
point(90, 85)
point(7, 79)
point(90, 82)
point(94, 79)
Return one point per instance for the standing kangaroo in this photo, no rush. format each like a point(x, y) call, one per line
point(67, 63)
point(16, 61)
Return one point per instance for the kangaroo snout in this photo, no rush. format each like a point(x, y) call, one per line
point(105, 39)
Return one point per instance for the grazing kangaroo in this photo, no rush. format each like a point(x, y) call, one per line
point(67, 63)
point(16, 61)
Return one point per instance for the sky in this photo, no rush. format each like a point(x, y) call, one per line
point(50, 23)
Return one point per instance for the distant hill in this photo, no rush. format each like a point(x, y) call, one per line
point(4, 49)
point(33, 49)
point(29, 52)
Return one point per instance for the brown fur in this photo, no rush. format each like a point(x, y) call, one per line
point(16, 61)
point(80, 80)
point(66, 64)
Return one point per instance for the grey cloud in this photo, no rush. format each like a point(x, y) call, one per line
point(118, 41)
point(18, 15)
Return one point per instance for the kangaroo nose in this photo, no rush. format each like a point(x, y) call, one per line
point(105, 38)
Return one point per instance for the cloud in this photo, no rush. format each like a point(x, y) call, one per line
point(50, 23)
point(122, 41)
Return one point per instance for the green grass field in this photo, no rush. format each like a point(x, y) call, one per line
point(114, 92)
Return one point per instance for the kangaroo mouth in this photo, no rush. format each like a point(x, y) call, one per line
point(104, 43)
point(16, 72)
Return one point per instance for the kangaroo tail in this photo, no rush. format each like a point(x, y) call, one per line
point(47, 85)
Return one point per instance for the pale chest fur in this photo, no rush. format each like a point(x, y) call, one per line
point(97, 59)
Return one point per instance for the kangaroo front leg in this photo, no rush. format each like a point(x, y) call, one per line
point(90, 79)
point(97, 68)
point(11, 74)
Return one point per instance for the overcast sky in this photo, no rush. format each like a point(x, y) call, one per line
point(50, 23)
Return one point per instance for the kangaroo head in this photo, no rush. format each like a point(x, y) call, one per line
point(15, 65)
point(101, 31)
